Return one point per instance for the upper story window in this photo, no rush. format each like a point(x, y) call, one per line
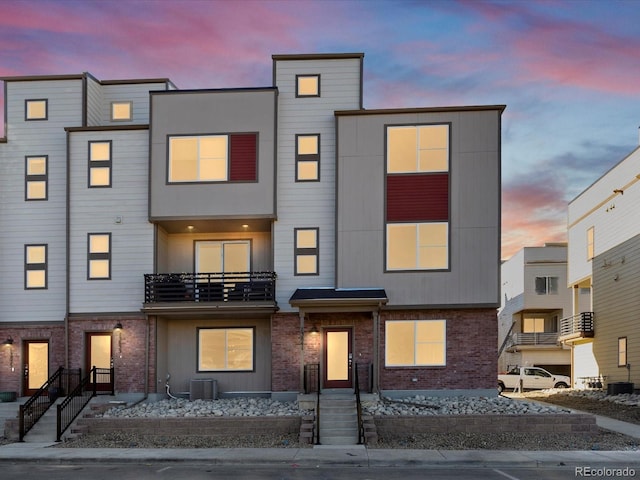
point(307, 158)
point(418, 149)
point(532, 325)
point(307, 85)
point(590, 240)
point(121, 111)
point(36, 109)
point(100, 164)
point(547, 285)
point(36, 178)
point(99, 256)
point(412, 343)
point(418, 246)
point(213, 158)
point(35, 266)
point(306, 251)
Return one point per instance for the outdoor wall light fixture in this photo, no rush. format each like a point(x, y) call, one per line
point(314, 330)
point(117, 327)
point(8, 341)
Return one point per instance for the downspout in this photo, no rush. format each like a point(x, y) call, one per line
point(301, 315)
point(376, 348)
point(67, 254)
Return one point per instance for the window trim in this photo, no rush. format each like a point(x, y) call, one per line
point(27, 118)
point(547, 283)
point(253, 348)
point(417, 126)
point(415, 324)
point(298, 251)
point(198, 137)
point(36, 178)
point(126, 102)
point(314, 157)
point(307, 75)
point(99, 255)
point(100, 163)
point(36, 266)
point(416, 269)
point(622, 341)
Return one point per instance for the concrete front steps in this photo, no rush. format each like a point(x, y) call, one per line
point(338, 419)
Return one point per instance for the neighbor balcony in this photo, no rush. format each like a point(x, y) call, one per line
point(518, 341)
point(209, 291)
point(577, 327)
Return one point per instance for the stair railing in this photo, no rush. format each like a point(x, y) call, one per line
point(34, 408)
point(358, 406)
point(77, 399)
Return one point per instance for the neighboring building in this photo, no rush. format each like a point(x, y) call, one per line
point(604, 258)
point(247, 235)
point(534, 299)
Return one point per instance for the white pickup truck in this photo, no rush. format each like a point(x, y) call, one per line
point(532, 378)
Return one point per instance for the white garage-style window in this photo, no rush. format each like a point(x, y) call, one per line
point(415, 343)
point(225, 349)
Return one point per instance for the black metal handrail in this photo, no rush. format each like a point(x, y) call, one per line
point(210, 287)
point(75, 402)
point(312, 384)
point(356, 381)
point(580, 323)
point(38, 404)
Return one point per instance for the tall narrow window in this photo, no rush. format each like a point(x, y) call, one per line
point(36, 178)
point(590, 243)
point(121, 111)
point(35, 266)
point(307, 85)
point(307, 158)
point(99, 256)
point(36, 109)
point(100, 163)
point(306, 251)
point(622, 351)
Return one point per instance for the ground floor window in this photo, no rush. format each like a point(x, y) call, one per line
point(415, 343)
point(225, 349)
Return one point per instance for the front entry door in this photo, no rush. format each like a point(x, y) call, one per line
point(99, 355)
point(36, 365)
point(338, 357)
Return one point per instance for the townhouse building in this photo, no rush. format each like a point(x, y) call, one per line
point(249, 236)
point(604, 258)
point(534, 300)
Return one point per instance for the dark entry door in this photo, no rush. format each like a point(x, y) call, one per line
point(36, 365)
point(99, 355)
point(338, 358)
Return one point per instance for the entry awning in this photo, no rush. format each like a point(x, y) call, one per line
point(338, 299)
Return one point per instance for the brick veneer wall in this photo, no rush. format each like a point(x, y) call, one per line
point(130, 364)
point(11, 381)
point(471, 358)
point(559, 423)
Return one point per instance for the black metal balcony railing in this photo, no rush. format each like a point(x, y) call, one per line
point(546, 338)
point(577, 325)
point(210, 287)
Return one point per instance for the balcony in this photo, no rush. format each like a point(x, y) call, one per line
point(519, 340)
point(209, 291)
point(576, 327)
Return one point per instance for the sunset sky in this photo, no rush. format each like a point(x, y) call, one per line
point(568, 70)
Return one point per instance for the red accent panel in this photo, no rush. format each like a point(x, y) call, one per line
point(243, 158)
point(418, 197)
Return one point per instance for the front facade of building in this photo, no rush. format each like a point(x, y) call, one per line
point(248, 235)
point(534, 300)
point(604, 241)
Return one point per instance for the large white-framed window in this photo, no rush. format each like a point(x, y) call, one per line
point(100, 163)
point(622, 351)
point(226, 349)
point(418, 148)
point(590, 242)
point(121, 111)
point(307, 157)
point(198, 158)
point(36, 177)
point(306, 251)
point(415, 343)
point(216, 256)
point(36, 109)
point(546, 285)
point(418, 246)
point(308, 85)
point(99, 256)
point(35, 267)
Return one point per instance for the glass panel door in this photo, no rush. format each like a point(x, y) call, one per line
point(338, 358)
point(36, 365)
